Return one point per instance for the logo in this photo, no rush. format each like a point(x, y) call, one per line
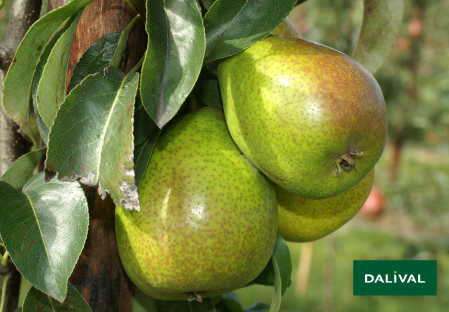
point(395, 278)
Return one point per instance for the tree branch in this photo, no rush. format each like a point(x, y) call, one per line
point(23, 14)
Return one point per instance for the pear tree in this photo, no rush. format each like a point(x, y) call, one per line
point(121, 106)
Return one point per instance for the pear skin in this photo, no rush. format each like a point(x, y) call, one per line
point(305, 220)
point(208, 219)
point(311, 118)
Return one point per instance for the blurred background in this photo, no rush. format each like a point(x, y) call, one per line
point(408, 217)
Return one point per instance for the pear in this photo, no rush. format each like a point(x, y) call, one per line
point(310, 117)
point(305, 220)
point(208, 219)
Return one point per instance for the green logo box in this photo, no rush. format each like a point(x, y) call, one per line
point(395, 277)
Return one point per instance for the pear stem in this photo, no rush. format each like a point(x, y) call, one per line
point(346, 161)
point(195, 295)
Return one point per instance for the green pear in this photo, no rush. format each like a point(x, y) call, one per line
point(310, 117)
point(208, 219)
point(305, 220)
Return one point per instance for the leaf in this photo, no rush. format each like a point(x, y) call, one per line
point(174, 56)
point(277, 296)
point(258, 307)
point(143, 303)
point(230, 302)
point(52, 85)
point(18, 81)
point(234, 25)
point(141, 7)
point(131, 4)
point(208, 305)
point(207, 3)
point(22, 169)
point(121, 46)
point(38, 301)
point(282, 255)
point(43, 129)
point(143, 154)
point(92, 137)
point(299, 2)
point(96, 58)
point(382, 21)
point(106, 51)
point(144, 126)
point(207, 87)
point(44, 230)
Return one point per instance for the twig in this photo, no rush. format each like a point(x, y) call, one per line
point(5, 259)
point(3, 299)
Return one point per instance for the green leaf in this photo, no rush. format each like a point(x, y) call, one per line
point(44, 230)
point(144, 126)
point(43, 129)
point(207, 87)
point(140, 5)
point(382, 21)
point(121, 46)
point(96, 58)
point(277, 296)
point(258, 307)
point(38, 301)
point(18, 81)
point(92, 137)
point(174, 56)
point(143, 303)
point(299, 2)
point(142, 155)
point(22, 169)
point(234, 25)
point(282, 255)
point(146, 134)
point(208, 305)
point(52, 85)
point(230, 302)
point(207, 3)
point(131, 4)
point(106, 51)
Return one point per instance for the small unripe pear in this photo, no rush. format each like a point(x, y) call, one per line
point(208, 219)
point(311, 118)
point(305, 220)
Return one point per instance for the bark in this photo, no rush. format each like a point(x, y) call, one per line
point(12, 145)
point(99, 274)
point(23, 14)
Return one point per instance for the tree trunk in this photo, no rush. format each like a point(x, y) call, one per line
point(12, 145)
point(99, 274)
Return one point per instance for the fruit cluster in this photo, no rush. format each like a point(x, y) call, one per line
point(292, 151)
